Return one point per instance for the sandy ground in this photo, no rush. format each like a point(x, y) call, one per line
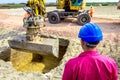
point(12, 19)
point(11, 25)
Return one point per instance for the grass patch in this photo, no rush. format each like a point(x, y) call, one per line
point(102, 4)
point(13, 5)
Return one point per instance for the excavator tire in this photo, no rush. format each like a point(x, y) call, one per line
point(83, 18)
point(53, 17)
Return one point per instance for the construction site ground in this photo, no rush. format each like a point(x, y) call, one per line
point(11, 24)
point(107, 17)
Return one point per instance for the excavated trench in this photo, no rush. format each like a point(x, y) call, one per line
point(27, 61)
point(68, 48)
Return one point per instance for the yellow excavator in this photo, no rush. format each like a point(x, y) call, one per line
point(33, 51)
point(71, 9)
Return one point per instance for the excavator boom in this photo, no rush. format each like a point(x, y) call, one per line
point(32, 46)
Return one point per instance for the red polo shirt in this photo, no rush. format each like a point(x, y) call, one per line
point(90, 65)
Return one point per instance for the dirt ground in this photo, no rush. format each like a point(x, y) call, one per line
point(12, 19)
point(107, 17)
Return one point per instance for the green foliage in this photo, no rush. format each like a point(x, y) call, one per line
point(12, 5)
point(102, 4)
point(91, 3)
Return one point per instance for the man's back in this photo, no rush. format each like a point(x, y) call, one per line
point(90, 65)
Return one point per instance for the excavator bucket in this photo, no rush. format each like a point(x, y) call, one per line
point(32, 51)
point(34, 55)
point(45, 45)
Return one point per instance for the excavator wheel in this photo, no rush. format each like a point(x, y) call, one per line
point(83, 18)
point(53, 17)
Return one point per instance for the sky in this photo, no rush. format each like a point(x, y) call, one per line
point(24, 1)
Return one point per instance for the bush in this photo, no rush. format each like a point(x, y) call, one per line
point(102, 3)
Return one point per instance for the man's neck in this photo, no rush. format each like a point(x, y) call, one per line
point(90, 49)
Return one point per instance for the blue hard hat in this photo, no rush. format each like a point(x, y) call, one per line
point(90, 32)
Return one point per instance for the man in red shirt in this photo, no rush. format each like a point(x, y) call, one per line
point(90, 65)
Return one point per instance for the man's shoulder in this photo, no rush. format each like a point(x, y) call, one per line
point(72, 61)
point(107, 59)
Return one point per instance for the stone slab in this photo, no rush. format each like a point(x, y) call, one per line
point(45, 46)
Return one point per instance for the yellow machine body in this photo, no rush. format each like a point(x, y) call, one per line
point(61, 4)
point(38, 6)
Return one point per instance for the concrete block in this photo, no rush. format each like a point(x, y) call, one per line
point(45, 46)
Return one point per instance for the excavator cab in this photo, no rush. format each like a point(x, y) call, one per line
point(76, 2)
point(71, 4)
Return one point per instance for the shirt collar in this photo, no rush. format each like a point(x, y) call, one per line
point(89, 53)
